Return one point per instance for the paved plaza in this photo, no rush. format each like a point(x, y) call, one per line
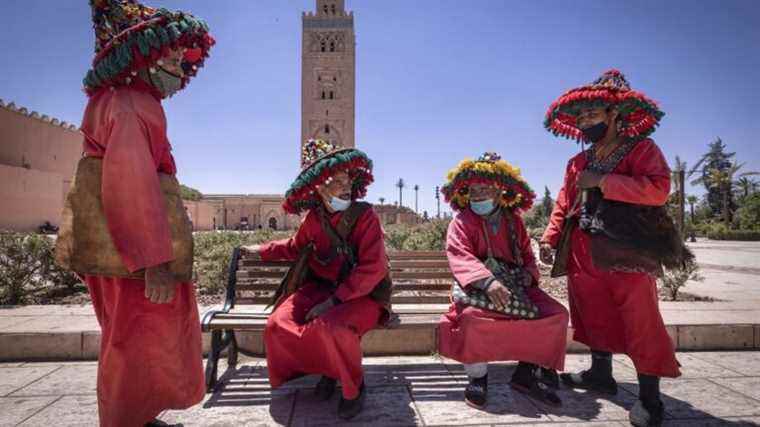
point(717, 388)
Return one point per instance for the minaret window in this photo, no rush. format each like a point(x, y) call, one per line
point(332, 7)
point(327, 128)
point(332, 46)
point(323, 46)
point(332, 95)
point(325, 9)
point(324, 95)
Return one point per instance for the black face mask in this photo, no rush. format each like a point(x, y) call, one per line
point(595, 133)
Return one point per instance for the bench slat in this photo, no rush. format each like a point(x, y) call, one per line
point(441, 298)
point(397, 287)
point(407, 322)
point(416, 275)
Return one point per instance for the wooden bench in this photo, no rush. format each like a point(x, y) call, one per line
point(420, 279)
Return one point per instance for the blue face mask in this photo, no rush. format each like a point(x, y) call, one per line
point(338, 204)
point(483, 207)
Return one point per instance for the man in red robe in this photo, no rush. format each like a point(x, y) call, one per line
point(150, 354)
point(487, 195)
point(612, 311)
point(318, 328)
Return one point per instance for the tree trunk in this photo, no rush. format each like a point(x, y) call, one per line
point(726, 213)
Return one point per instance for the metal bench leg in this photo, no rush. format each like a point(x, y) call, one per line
point(213, 360)
point(232, 350)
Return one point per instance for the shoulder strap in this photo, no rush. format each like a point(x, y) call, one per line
point(608, 164)
point(488, 239)
point(339, 235)
point(512, 229)
point(348, 221)
point(512, 232)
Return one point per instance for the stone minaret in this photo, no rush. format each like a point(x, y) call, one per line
point(328, 65)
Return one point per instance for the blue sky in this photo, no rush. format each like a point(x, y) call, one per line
point(437, 80)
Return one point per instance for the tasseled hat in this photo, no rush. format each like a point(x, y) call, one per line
point(488, 169)
point(130, 36)
point(638, 115)
point(320, 161)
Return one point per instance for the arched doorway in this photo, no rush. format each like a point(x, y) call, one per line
point(273, 223)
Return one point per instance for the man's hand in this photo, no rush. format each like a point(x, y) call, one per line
point(159, 284)
point(546, 253)
point(251, 250)
point(319, 309)
point(589, 180)
point(499, 294)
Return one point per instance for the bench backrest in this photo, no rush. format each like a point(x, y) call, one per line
point(419, 277)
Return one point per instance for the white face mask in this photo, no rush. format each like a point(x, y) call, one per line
point(166, 83)
point(338, 204)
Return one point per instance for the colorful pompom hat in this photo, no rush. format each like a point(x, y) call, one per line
point(638, 115)
point(492, 170)
point(130, 36)
point(320, 160)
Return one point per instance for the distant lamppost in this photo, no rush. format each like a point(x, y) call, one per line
point(416, 192)
point(438, 200)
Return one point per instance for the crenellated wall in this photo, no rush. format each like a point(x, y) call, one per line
point(38, 157)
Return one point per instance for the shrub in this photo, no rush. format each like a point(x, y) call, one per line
point(744, 235)
point(429, 236)
point(213, 250)
point(749, 214)
point(27, 267)
point(673, 280)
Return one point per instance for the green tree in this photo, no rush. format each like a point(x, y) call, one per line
point(189, 193)
point(400, 184)
point(547, 204)
point(716, 159)
point(749, 213)
point(724, 181)
point(692, 200)
point(746, 186)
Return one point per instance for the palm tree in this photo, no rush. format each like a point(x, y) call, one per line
point(382, 200)
point(400, 184)
point(723, 181)
point(692, 200)
point(746, 186)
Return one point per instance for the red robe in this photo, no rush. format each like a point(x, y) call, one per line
point(617, 312)
point(150, 354)
point(329, 345)
point(468, 334)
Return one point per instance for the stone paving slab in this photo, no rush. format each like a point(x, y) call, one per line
point(16, 410)
point(15, 378)
point(402, 391)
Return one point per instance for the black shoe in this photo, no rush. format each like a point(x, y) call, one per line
point(325, 388)
point(349, 408)
point(536, 389)
point(586, 381)
point(644, 415)
point(158, 423)
point(475, 395)
point(550, 378)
